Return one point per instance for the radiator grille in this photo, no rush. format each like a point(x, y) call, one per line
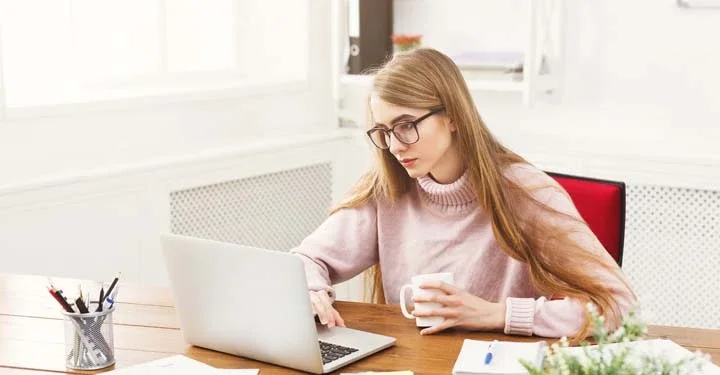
point(672, 244)
point(274, 211)
point(672, 254)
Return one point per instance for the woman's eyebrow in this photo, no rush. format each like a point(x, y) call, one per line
point(397, 118)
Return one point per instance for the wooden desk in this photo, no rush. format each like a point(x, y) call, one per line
point(146, 328)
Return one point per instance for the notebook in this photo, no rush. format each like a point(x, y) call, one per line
point(506, 357)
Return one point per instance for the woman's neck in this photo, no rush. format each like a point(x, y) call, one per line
point(449, 168)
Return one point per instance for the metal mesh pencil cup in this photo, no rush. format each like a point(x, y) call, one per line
point(89, 340)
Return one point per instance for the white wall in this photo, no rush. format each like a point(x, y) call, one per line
point(84, 190)
point(642, 72)
point(93, 227)
point(43, 144)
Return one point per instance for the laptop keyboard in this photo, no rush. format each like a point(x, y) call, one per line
point(331, 352)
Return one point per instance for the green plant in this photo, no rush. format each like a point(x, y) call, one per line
point(619, 359)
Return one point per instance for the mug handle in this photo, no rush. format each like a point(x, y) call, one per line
point(402, 301)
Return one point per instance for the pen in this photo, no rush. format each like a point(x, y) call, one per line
point(108, 293)
point(100, 300)
point(490, 352)
point(81, 306)
point(112, 286)
point(112, 298)
point(80, 293)
point(60, 299)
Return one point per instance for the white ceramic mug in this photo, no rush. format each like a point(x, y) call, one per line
point(416, 281)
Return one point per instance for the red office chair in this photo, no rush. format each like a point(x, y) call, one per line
point(602, 204)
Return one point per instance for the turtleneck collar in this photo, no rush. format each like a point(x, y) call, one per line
point(457, 193)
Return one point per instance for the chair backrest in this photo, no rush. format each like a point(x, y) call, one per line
point(602, 204)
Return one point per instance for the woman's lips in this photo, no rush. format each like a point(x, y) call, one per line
point(407, 162)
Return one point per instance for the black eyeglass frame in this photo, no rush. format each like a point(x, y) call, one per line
point(414, 124)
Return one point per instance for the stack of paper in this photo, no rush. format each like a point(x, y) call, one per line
point(489, 60)
point(179, 364)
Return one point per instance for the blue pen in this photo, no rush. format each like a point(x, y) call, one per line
point(490, 352)
point(110, 299)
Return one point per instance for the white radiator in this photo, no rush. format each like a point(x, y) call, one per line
point(672, 253)
point(273, 211)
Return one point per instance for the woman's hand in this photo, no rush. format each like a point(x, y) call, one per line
point(322, 307)
point(460, 309)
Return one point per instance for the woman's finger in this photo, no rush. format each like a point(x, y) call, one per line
point(312, 302)
point(444, 299)
point(440, 285)
point(444, 312)
point(338, 319)
point(437, 328)
point(319, 307)
point(324, 308)
point(327, 302)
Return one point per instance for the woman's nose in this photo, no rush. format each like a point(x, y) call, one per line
point(395, 145)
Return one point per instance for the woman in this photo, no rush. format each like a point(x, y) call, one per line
point(445, 195)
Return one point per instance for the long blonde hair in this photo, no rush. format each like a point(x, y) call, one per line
point(426, 78)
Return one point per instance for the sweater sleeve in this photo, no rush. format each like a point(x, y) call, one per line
point(563, 317)
point(344, 245)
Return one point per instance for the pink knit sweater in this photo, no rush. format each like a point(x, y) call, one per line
point(441, 228)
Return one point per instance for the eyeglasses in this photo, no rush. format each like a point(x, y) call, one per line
point(405, 132)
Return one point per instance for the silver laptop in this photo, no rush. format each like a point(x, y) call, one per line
point(254, 303)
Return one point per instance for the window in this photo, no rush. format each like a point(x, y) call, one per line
point(75, 51)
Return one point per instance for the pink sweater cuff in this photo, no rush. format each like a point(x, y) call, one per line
point(519, 315)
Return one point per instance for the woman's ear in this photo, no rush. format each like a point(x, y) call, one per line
point(451, 125)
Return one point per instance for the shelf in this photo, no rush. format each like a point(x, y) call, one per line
point(475, 84)
point(477, 81)
point(486, 64)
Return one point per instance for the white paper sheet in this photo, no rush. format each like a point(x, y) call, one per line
point(178, 364)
